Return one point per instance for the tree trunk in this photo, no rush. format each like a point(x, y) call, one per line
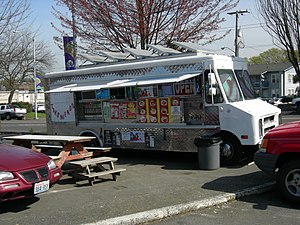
point(10, 97)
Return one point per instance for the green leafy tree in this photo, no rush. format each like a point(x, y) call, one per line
point(271, 56)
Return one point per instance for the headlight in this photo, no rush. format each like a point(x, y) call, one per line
point(51, 164)
point(6, 176)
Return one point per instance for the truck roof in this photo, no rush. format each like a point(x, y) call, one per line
point(196, 56)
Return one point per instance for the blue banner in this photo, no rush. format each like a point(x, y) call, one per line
point(38, 83)
point(70, 54)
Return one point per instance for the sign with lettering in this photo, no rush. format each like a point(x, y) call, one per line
point(186, 87)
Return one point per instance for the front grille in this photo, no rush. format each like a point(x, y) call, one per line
point(267, 124)
point(43, 172)
point(30, 176)
point(34, 175)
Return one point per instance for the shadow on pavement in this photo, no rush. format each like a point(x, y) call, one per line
point(167, 160)
point(17, 205)
point(271, 198)
point(230, 183)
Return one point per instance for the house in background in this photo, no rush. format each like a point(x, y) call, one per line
point(22, 96)
point(273, 80)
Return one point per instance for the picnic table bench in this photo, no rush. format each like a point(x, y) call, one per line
point(91, 169)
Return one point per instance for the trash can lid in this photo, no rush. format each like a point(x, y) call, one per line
point(206, 140)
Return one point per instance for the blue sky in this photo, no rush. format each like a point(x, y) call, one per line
point(256, 40)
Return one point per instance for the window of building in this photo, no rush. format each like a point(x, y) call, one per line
point(290, 78)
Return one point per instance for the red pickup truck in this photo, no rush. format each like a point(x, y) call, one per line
point(279, 154)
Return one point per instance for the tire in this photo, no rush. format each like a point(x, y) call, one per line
point(94, 143)
point(230, 150)
point(8, 117)
point(288, 180)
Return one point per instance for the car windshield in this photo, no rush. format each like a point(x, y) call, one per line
point(245, 83)
point(230, 85)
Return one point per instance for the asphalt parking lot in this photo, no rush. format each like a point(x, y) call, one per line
point(154, 185)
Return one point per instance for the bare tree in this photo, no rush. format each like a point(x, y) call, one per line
point(17, 60)
point(13, 14)
point(283, 21)
point(16, 46)
point(113, 24)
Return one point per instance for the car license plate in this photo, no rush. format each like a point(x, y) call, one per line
point(41, 187)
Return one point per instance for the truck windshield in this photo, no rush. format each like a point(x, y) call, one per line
point(230, 85)
point(245, 83)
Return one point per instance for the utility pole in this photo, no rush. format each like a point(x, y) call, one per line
point(236, 41)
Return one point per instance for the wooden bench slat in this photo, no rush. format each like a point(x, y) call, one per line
point(54, 157)
point(94, 161)
point(87, 148)
point(96, 174)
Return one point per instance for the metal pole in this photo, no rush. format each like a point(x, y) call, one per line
point(34, 78)
point(236, 42)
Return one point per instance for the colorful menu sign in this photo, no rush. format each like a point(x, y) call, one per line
point(122, 110)
point(159, 110)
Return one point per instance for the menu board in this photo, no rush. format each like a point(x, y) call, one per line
point(142, 113)
point(164, 110)
point(122, 110)
point(159, 110)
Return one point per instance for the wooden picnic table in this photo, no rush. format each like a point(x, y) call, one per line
point(91, 169)
point(68, 143)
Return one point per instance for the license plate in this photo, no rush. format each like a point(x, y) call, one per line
point(41, 187)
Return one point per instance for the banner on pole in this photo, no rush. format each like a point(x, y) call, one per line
point(70, 54)
point(38, 83)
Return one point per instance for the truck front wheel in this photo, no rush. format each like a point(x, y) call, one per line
point(288, 180)
point(230, 150)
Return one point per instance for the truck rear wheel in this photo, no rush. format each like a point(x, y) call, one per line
point(230, 150)
point(8, 117)
point(288, 180)
point(94, 143)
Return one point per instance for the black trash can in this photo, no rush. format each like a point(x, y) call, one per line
point(208, 152)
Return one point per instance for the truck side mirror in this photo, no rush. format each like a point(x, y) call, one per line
point(213, 91)
point(212, 79)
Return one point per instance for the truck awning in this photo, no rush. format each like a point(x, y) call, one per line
point(140, 81)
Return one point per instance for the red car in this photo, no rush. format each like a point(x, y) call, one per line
point(25, 173)
point(280, 154)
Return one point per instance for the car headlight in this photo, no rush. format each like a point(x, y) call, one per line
point(51, 164)
point(6, 176)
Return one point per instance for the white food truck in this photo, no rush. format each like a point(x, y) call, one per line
point(161, 103)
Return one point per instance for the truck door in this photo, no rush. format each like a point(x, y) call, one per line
point(212, 96)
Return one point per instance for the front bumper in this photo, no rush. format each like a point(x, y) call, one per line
point(18, 187)
point(266, 162)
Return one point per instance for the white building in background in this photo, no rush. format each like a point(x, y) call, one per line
point(273, 80)
point(22, 96)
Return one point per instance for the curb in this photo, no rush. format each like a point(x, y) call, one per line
point(160, 213)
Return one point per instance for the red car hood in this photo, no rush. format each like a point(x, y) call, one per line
point(15, 158)
point(286, 130)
